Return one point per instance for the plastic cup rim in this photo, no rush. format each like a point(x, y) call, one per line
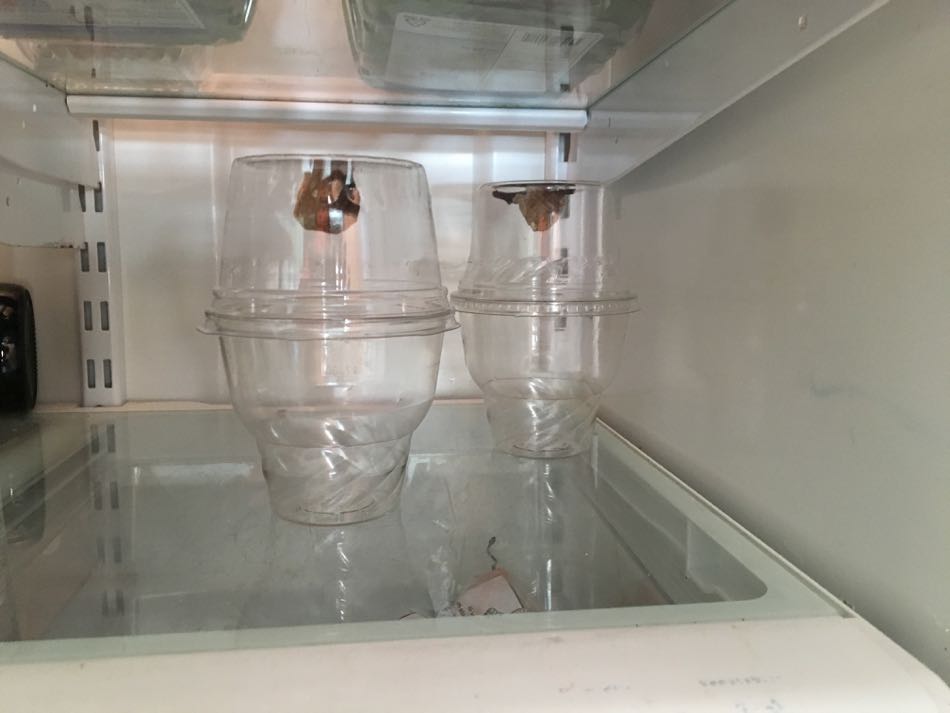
point(351, 158)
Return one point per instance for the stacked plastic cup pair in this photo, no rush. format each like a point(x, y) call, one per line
point(330, 313)
point(543, 313)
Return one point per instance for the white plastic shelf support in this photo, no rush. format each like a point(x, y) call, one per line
point(44, 154)
point(99, 285)
point(488, 118)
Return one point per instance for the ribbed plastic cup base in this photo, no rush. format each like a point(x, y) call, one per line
point(542, 427)
point(339, 485)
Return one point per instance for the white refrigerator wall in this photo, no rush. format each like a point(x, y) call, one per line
point(792, 356)
point(172, 189)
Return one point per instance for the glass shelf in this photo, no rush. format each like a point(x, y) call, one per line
point(130, 533)
point(537, 53)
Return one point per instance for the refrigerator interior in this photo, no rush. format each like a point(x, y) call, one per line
point(786, 248)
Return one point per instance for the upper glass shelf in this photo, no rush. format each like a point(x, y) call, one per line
point(132, 533)
point(533, 53)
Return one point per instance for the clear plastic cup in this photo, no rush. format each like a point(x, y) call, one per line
point(314, 225)
point(543, 368)
point(332, 417)
point(330, 313)
point(541, 240)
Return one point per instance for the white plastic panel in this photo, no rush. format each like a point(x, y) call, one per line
point(172, 185)
point(38, 135)
point(36, 212)
point(790, 356)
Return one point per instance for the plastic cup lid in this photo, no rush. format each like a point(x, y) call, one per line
point(540, 308)
point(337, 328)
point(328, 315)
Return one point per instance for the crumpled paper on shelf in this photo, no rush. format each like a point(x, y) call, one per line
point(490, 594)
point(453, 547)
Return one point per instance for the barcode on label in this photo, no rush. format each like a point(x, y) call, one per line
point(551, 40)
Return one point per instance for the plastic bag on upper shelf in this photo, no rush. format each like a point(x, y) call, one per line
point(119, 44)
point(529, 47)
point(146, 22)
point(83, 65)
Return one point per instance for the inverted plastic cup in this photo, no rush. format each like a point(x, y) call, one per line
point(541, 240)
point(330, 314)
point(317, 224)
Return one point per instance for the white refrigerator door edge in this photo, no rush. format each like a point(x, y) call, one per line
point(803, 665)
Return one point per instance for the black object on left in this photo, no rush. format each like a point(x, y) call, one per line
point(17, 349)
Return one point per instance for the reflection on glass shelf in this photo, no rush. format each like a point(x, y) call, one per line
point(535, 53)
point(156, 523)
